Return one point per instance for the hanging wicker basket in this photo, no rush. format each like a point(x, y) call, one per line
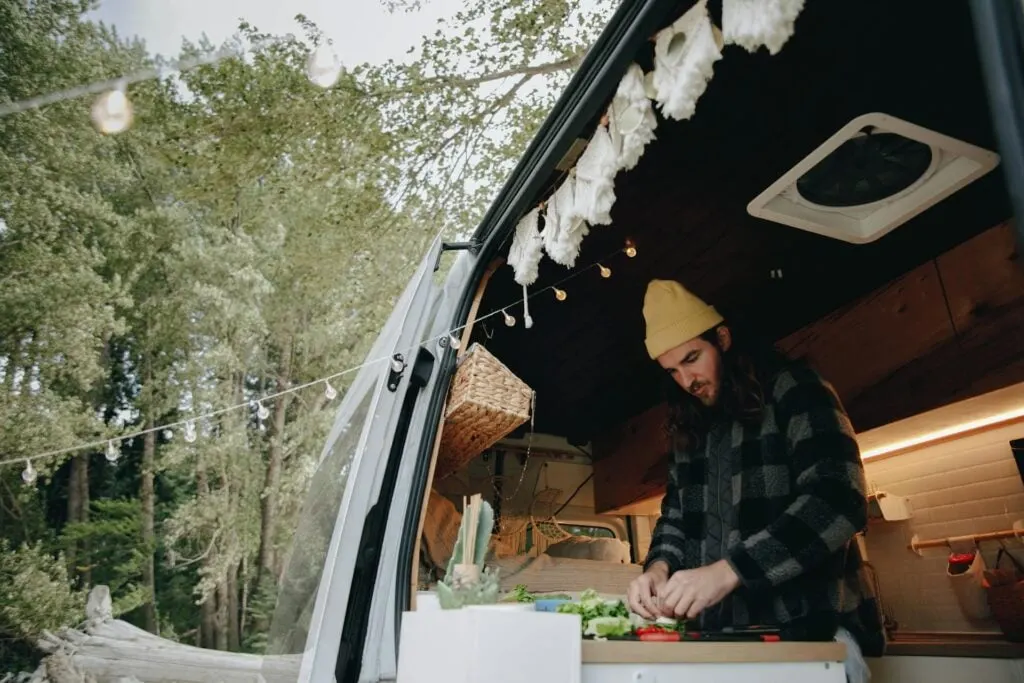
point(1005, 589)
point(487, 402)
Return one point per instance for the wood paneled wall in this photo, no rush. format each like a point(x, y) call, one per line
point(953, 327)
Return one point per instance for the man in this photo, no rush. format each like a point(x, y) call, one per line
point(766, 489)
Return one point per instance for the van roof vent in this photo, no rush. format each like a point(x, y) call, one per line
point(869, 178)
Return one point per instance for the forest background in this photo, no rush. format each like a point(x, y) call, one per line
point(248, 233)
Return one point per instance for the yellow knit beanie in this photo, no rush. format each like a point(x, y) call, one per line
point(674, 316)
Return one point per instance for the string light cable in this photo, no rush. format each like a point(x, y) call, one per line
point(187, 425)
point(323, 68)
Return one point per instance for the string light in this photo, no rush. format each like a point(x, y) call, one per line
point(190, 432)
point(29, 474)
point(606, 272)
point(323, 67)
point(454, 341)
point(99, 87)
point(330, 393)
point(113, 452)
point(112, 112)
point(630, 249)
point(397, 364)
point(510, 321)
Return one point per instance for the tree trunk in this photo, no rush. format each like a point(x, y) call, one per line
point(146, 495)
point(78, 511)
point(234, 629)
point(208, 608)
point(222, 615)
point(272, 480)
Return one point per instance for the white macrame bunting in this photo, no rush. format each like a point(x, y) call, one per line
point(684, 58)
point(631, 119)
point(527, 249)
point(594, 193)
point(753, 23)
point(563, 229)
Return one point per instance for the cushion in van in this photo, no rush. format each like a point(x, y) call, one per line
point(586, 548)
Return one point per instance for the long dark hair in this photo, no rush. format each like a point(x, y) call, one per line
point(749, 366)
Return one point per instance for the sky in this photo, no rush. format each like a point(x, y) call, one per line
point(362, 30)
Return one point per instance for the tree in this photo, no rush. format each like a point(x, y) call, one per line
point(247, 235)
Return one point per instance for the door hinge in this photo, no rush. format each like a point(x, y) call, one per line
point(473, 247)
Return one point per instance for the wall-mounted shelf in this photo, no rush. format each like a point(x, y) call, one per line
point(885, 507)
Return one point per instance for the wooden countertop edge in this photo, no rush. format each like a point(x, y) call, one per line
point(955, 648)
point(624, 652)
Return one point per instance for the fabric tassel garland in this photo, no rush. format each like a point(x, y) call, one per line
point(563, 229)
point(684, 58)
point(527, 319)
point(631, 119)
point(594, 193)
point(527, 249)
point(753, 23)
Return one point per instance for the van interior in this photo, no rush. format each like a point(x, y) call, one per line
point(917, 322)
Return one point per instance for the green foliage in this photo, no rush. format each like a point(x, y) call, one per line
point(246, 238)
point(113, 536)
point(36, 592)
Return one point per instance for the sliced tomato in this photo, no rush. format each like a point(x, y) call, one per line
point(660, 636)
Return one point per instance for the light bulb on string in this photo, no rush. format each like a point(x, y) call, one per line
point(262, 412)
point(606, 272)
point(113, 451)
point(112, 112)
point(397, 364)
point(560, 294)
point(330, 393)
point(630, 249)
point(29, 474)
point(454, 341)
point(190, 432)
point(323, 67)
point(509, 320)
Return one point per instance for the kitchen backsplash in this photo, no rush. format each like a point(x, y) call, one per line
point(962, 486)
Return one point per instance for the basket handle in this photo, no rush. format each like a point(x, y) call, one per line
point(1003, 550)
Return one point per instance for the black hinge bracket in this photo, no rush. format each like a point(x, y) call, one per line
point(473, 247)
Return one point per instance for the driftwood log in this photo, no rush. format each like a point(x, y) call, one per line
point(108, 650)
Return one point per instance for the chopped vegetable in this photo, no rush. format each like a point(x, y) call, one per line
point(661, 636)
point(591, 606)
point(603, 627)
point(521, 594)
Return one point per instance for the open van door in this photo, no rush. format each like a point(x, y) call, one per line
point(999, 27)
point(351, 489)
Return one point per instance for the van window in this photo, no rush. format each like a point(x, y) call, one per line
point(575, 530)
point(304, 567)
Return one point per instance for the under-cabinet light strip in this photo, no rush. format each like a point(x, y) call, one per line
point(939, 434)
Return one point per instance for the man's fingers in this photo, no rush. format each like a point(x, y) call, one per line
point(682, 606)
point(640, 599)
point(696, 608)
point(634, 600)
point(670, 599)
point(649, 603)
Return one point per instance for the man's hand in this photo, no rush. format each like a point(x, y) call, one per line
point(691, 591)
point(644, 588)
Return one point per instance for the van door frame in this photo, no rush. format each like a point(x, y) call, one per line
point(999, 28)
point(368, 470)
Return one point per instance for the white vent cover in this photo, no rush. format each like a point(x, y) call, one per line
point(954, 165)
